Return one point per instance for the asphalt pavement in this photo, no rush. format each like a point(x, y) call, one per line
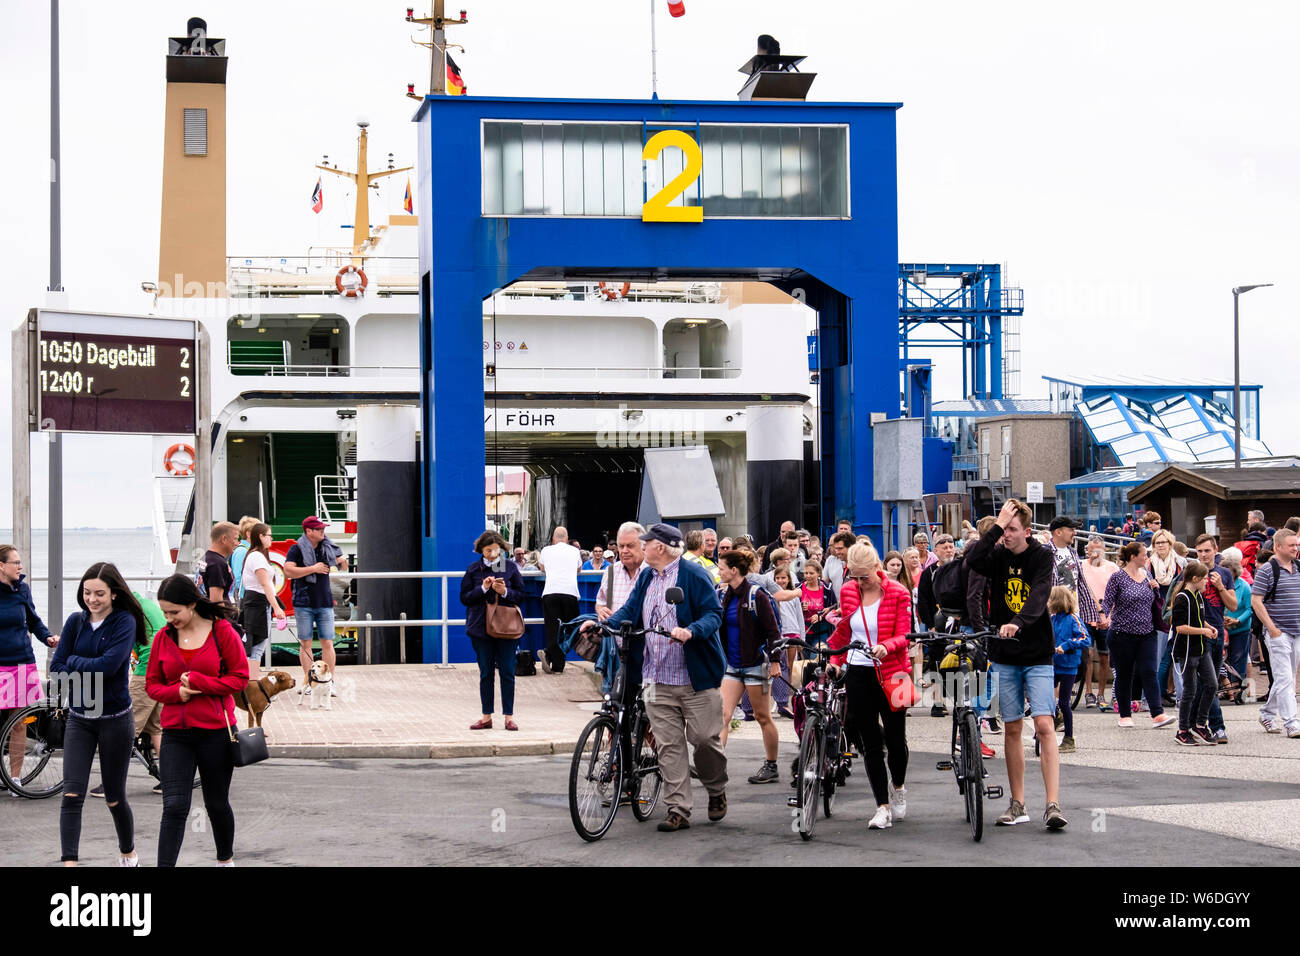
point(513, 811)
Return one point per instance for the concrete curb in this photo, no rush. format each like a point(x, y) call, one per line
point(430, 751)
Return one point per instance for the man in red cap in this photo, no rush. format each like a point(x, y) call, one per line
point(308, 565)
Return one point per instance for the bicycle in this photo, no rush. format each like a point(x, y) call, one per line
point(40, 766)
point(966, 762)
point(820, 770)
point(617, 742)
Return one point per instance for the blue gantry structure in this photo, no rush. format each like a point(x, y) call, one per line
point(802, 195)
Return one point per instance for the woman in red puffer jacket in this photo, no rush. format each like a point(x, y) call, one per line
point(877, 611)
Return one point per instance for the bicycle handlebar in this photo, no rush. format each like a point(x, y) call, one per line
point(822, 649)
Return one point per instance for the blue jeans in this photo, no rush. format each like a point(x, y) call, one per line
point(1239, 652)
point(495, 655)
point(1015, 683)
point(321, 617)
point(1167, 666)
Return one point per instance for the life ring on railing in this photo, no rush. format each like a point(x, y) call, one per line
point(179, 460)
point(611, 293)
point(356, 284)
point(279, 580)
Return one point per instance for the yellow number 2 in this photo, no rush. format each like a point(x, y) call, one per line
point(656, 208)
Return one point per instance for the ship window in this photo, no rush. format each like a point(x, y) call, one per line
point(196, 132)
point(595, 169)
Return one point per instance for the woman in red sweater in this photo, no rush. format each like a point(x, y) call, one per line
point(877, 611)
point(196, 664)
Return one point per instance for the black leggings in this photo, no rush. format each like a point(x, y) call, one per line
point(1134, 657)
point(868, 706)
point(182, 751)
point(112, 737)
point(1065, 687)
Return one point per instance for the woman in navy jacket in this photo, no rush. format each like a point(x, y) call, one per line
point(480, 587)
point(95, 653)
point(20, 682)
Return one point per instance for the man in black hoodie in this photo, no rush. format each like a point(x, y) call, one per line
point(1020, 579)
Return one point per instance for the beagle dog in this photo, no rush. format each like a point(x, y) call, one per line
point(319, 682)
point(256, 697)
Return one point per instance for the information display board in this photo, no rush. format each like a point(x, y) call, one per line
point(109, 373)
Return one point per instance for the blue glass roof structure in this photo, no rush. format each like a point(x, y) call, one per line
point(990, 407)
point(1179, 426)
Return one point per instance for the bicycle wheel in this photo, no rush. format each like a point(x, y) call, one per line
point(1084, 665)
point(595, 779)
point(973, 765)
point(812, 754)
point(831, 776)
point(37, 771)
point(648, 781)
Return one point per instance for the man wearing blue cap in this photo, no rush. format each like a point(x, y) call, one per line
point(680, 673)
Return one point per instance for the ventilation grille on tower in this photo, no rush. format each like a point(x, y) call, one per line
point(196, 132)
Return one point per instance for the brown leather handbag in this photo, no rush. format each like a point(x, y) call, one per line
point(505, 622)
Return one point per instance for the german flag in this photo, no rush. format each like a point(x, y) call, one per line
point(455, 85)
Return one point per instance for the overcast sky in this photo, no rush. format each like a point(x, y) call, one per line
point(1128, 163)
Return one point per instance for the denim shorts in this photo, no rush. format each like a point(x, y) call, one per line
point(323, 617)
point(754, 676)
point(1013, 682)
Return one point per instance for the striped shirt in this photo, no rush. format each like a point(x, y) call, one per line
point(665, 658)
point(623, 580)
point(1284, 609)
point(1067, 572)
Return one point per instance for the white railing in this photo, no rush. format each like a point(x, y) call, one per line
point(321, 371)
point(401, 623)
point(693, 292)
point(701, 373)
point(336, 496)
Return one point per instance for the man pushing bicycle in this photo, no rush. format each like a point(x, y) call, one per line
point(681, 674)
point(1019, 576)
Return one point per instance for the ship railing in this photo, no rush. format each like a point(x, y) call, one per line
point(336, 497)
point(614, 371)
point(693, 292)
point(322, 370)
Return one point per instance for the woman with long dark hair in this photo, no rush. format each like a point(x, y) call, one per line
point(260, 602)
point(95, 654)
point(196, 664)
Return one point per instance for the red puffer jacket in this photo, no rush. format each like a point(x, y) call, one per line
point(218, 670)
point(894, 618)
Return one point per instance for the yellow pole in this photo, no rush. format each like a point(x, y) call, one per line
point(361, 224)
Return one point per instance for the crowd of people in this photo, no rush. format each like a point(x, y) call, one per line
point(1165, 627)
point(160, 674)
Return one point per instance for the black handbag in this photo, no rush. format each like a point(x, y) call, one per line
point(246, 746)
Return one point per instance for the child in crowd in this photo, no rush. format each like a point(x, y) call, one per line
point(789, 615)
point(1071, 638)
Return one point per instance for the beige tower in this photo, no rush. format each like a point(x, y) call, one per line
point(192, 248)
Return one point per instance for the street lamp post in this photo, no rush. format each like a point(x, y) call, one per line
point(1236, 372)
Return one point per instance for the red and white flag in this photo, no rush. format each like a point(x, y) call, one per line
point(317, 197)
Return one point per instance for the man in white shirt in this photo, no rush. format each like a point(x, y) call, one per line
point(833, 571)
point(560, 562)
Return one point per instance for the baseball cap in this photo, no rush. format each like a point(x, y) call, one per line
point(609, 554)
point(313, 523)
point(666, 533)
point(1064, 521)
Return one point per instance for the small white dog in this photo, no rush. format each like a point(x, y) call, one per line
point(320, 682)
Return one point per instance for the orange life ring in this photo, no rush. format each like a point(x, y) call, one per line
point(176, 464)
point(611, 293)
point(355, 287)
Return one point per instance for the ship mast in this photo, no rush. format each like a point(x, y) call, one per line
point(364, 180)
point(437, 45)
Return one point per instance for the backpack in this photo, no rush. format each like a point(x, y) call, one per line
point(752, 600)
point(1249, 551)
point(1277, 573)
point(948, 581)
point(1167, 604)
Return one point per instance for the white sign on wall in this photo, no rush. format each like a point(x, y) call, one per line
point(1034, 493)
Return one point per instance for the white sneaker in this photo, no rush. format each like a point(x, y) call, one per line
point(898, 803)
point(737, 714)
point(128, 860)
point(882, 820)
